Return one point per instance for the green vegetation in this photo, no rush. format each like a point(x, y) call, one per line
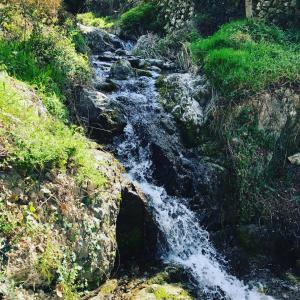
point(89, 19)
point(141, 18)
point(48, 62)
point(41, 143)
point(248, 56)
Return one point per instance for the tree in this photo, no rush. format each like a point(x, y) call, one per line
point(249, 8)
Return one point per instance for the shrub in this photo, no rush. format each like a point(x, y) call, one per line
point(247, 56)
point(142, 18)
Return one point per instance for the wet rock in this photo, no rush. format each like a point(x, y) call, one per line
point(190, 100)
point(99, 114)
point(121, 52)
point(144, 44)
point(107, 58)
point(136, 231)
point(163, 291)
point(295, 159)
point(156, 62)
point(140, 72)
point(106, 86)
point(121, 70)
point(134, 61)
point(155, 69)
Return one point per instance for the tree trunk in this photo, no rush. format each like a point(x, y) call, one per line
point(249, 10)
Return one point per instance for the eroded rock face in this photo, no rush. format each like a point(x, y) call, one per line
point(65, 224)
point(137, 233)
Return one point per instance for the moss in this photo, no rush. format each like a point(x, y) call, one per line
point(49, 261)
point(107, 288)
point(161, 294)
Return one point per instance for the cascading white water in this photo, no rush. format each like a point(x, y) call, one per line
point(187, 244)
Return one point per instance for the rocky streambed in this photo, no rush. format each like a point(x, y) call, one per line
point(176, 194)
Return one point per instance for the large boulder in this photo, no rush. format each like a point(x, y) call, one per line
point(99, 114)
point(189, 98)
point(121, 70)
point(136, 231)
point(99, 40)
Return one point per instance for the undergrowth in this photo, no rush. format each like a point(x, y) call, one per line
point(49, 62)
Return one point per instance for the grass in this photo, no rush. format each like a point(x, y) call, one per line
point(89, 19)
point(41, 143)
point(49, 63)
point(141, 18)
point(247, 56)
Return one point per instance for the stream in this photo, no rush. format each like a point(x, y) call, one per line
point(148, 131)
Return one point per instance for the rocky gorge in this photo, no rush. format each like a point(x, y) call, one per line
point(144, 111)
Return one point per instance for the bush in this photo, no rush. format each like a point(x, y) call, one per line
point(247, 56)
point(140, 19)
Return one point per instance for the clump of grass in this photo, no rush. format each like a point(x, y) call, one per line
point(141, 18)
point(247, 56)
point(89, 19)
point(41, 143)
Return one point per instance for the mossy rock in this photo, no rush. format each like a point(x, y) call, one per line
point(162, 292)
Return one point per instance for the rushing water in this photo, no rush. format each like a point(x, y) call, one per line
point(187, 244)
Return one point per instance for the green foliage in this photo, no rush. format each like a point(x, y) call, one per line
point(248, 56)
point(68, 273)
point(41, 143)
point(76, 36)
point(48, 262)
point(49, 62)
point(141, 18)
point(89, 19)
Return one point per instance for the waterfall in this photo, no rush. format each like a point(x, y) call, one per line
point(186, 243)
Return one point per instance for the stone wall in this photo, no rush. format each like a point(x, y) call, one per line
point(177, 13)
point(283, 12)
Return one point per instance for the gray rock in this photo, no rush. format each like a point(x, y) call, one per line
point(140, 72)
point(99, 114)
point(121, 70)
point(295, 159)
point(121, 52)
point(99, 40)
point(188, 97)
